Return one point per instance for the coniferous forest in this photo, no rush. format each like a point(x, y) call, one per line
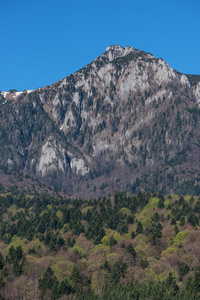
point(144, 246)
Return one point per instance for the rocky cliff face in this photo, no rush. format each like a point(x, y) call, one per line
point(127, 120)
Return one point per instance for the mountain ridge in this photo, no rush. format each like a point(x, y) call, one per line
point(127, 114)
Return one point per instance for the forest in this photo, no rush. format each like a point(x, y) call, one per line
point(143, 246)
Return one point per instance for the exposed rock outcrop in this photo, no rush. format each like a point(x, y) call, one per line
point(126, 112)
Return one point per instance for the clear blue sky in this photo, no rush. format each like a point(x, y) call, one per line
point(43, 41)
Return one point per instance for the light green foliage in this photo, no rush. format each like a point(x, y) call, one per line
point(13, 210)
point(125, 211)
point(187, 198)
point(117, 236)
point(152, 276)
point(148, 212)
point(32, 260)
point(100, 246)
point(164, 275)
point(59, 214)
point(83, 264)
point(127, 236)
point(175, 197)
point(110, 233)
point(62, 267)
point(128, 195)
point(85, 209)
point(170, 250)
point(35, 244)
point(30, 210)
point(98, 280)
point(142, 242)
point(179, 238)
point(78, 249)
point(49, 207)
point(105, 240)
point(112, 258)
point(97, 257)
point(16, 241)
point(65, 228)
point(167, 202)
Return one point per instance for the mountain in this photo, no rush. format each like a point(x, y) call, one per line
point(125, 121)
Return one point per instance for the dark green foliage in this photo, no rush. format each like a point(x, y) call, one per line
point(171, 283)
point(144, 263)
point(50, 282)
point(1, 261)
point(156, 217)
point(129, 220)
point(5, 271)
point(132, 234)
point(64, 288)
point(131, 250)
point(183, 269)
point(173, 221)
point(139, 228)
point(182, 221)
point(47, 281)
point(197, 207)
point(75, 278)
point(60, 241)
point(176, 229)
point(192, 219)
point(156, 233)
point(115, 273)
point(15, 257)
point(161, 200)
point(106, 266)
point(112, 241)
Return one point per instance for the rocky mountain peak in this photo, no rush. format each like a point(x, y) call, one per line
point(125, 121)
point(115, 51)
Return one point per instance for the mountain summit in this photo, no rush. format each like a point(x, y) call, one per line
point(125, 121)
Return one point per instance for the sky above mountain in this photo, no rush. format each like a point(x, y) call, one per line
point(44, 41)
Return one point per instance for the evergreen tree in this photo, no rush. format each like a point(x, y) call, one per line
point(75, 278)
point(112, 241)
point(139, 228)
point(131, 250)
point(1, 261)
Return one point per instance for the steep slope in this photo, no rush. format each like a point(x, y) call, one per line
point(125, 118)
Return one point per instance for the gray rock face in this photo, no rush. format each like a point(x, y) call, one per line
point(127, 112)
point(52, 157)
point(197, 92)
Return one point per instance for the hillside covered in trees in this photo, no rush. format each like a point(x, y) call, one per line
point(120, 247)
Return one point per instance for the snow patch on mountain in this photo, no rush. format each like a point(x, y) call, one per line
point(4, 94)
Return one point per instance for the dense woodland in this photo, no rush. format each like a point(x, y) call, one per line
point(144, 246)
